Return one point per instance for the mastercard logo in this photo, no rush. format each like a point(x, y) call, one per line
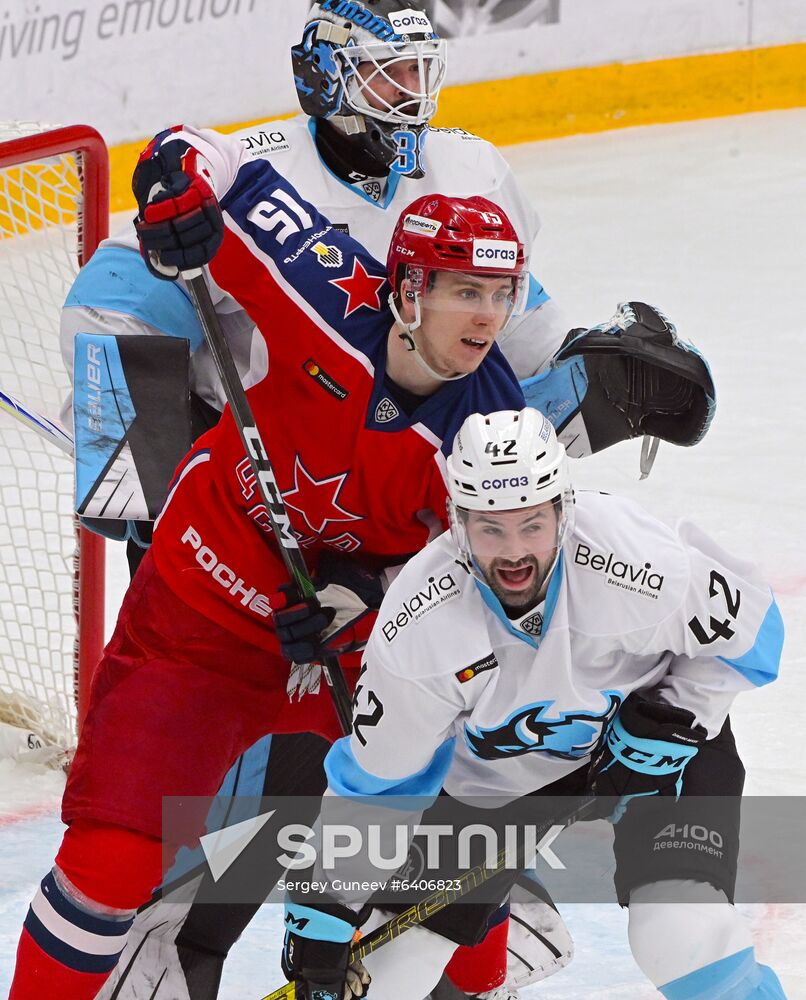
point(312, 368)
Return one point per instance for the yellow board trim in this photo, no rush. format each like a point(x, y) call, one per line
point(618, 95)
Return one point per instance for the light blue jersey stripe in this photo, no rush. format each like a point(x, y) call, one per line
point(346, 777)
point(761, 663)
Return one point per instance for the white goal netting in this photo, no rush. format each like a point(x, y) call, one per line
point(41, 210)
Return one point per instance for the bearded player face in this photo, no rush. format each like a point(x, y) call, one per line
point(515, 551)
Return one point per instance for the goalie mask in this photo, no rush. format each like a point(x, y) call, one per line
point(510, 503)
point(373, 70)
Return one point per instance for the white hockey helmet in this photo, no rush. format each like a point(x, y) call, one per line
point(506, 461)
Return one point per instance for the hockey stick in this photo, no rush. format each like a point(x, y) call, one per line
point(264, 475)
point(36, 422)
point(436, 901)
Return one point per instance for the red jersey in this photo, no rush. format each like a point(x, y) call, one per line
point(356, 472)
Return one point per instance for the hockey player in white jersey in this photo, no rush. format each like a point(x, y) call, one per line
point(362, 150)
point(552, 643)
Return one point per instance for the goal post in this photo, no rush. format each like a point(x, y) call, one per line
point(54, 210)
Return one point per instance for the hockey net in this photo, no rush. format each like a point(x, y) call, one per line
point(54, 195)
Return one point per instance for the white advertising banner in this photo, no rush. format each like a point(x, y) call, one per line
point(130, 67)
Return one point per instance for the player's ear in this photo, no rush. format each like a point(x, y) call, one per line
point(406, 299)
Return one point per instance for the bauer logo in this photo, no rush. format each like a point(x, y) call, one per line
point(95, 409)
point(615, 572)
point(418, 224)
point(437, 591)
point(495, 253)
point(407, 22)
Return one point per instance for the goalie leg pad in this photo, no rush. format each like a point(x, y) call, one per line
point(539, 943)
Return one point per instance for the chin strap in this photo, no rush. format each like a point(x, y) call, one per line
point(407, 336)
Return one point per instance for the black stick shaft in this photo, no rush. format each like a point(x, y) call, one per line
point(264, 475)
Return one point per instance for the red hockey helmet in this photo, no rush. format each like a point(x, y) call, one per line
point(471, 235)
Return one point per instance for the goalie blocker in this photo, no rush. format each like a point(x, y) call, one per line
point(630, 377)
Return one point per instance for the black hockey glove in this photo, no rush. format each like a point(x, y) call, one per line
point(316, 951)
point(645, 752)
point(179, 224)
point(337, 620)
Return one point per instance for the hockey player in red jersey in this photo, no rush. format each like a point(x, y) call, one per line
point(195, 651)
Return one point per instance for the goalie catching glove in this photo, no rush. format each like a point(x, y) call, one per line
point(646, 750)
point(316, 951)
point(179, 224)
point(630, 377)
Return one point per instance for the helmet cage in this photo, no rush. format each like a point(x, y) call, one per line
point(419, 105)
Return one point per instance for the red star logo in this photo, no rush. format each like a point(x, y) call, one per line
point(317, 499)
point(361, 288)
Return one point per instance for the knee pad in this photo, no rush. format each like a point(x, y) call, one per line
point(110, 865)
point(679, 926)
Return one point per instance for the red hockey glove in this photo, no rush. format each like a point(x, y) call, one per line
point(179, 225)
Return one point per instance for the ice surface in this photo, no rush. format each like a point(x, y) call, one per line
point(705, 220)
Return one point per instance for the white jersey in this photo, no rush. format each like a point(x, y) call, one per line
point(116, 294)
point(455, 694)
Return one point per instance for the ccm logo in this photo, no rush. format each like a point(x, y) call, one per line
point(495, 253)
point(502, 484)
